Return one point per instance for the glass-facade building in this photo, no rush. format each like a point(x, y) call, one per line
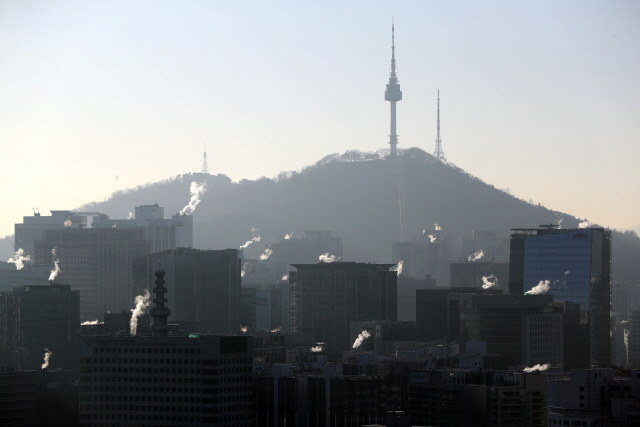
point(575, 265)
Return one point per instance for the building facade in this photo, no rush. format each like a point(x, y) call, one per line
point(575, 266)
point(96, 262)
point(326, 297)
point(205, 286)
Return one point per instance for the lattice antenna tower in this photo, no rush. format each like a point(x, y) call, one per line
point(438, 153)
point(205, 166)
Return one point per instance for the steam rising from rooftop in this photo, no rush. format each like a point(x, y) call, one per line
point(254, 239)
point(437, 227)
point(68, 223)
point(585, 224)
point(317, 349)
point(328, 258)
point(476, 256)
point(19, 259)
point(142, 303)
point(398, 267)
point(196, 190)
point(47, 355)
point(537, 368)
point(56, 264)
point(285, 277)
point(432, 238)
point(361, 337)
point(540, 289)
point(489, 282)
point(92, 322)
point(288, 236)
point(267, 253)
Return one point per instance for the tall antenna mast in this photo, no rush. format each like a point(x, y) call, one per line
point(393, 94)
point(438, 153)
point(205, 166)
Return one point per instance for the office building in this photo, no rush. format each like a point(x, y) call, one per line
point(516, 399)
point(29, 275)
point(525, 327)
point(407, 287)
point(205, 286)
point(97, 262)
point(594, 397)
point(161, 380)
point(574, 265)
point(326, 297)
point(34, 228)
point(17, 398)
point(162, 234)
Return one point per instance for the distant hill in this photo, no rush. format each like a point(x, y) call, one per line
point(356, 196)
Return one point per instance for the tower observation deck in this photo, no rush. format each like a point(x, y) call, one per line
point(393, 95)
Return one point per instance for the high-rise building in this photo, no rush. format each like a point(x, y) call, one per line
point(40, 319)
point(97, 262)
point(161, 380)
point(393, 95)
point(572, 265)
point(34, 228)
point(326, 297)
point(162, 234)
point(50, 319)
point(205, 285)
point(423, 256)
point(523, 326)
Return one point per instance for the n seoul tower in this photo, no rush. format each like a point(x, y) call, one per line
point(393, 95)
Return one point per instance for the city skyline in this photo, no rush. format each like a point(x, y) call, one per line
point(105, 97)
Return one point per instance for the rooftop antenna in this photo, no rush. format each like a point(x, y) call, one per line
point(438, 153)
point(205, 166)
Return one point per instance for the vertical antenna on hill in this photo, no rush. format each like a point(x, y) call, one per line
point(438, 153)
point(205, 166)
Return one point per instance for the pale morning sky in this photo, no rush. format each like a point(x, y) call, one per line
point(540, 97)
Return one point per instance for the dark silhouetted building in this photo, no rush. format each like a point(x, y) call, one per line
point(205, 286)
point(39, 317)
point(326, 297)
point(575, 265)
point(17, 398)
point(96, 262)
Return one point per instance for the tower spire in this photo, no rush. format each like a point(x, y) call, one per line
point(393, 94)
point(438, 153)
point(205, 166)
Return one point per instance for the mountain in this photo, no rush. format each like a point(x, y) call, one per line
point(356, 196)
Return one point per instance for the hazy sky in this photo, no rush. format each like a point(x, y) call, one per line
point(540, 97)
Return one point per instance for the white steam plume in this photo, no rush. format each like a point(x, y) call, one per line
point(142, 303)
point(476, 256)
point(285, 277)
point(317, 349)
point(243, 329)
point(56, 264)
point(566, 273)
point(541, 288)
point(68, 223)
point(437, 227)
point(288, 236)
point(328, 258)
point(246, 267)
point(489, 282)
point(255, 238)
point(276, 330)
point(432, 238)
point(363, 336)
point(47, 355)
point(398, 267)
point(267, 253)
point(538, 368)
point(196, 190)
point(19, 258)
point(130, 215)
point(92, 322)
point(560, 222)
point(585, 224)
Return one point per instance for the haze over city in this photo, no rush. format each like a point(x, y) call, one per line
point(540, 99)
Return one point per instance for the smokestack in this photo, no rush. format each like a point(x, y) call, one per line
point(159, 313)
